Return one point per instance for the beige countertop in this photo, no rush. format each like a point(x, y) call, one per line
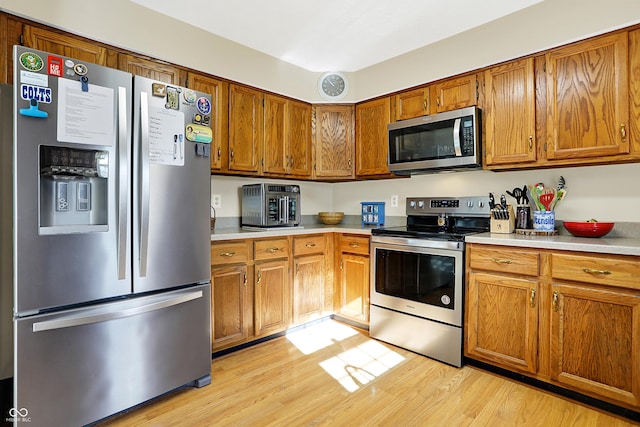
point(604, 245)
point(240, 233)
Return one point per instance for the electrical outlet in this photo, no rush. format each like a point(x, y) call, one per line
point(394, 201)
point(216, 200)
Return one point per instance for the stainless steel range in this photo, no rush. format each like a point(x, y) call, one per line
point(418, 275)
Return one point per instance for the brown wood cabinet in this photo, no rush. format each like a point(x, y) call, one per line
point(231, 294)
point(372, 118)
point(152, 69)
point(272, 286)
point(309, 278)
point(411, 104)
point(245, 129)
point(454, 93)
point(502, 307)
point(509, 113)
point(287, 137)
point(568, 318)
point(353, 280)
point(219, 91)
point(333, 141)
point(587, 99)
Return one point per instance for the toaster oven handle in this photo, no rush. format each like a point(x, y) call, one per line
point(284, 210)
point(456, 137)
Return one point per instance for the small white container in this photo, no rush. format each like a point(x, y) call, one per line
point(544, 220)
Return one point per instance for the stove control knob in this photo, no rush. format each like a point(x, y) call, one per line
point(421, 204)
point(470, 204)
point(412, 204)
point(481, 204)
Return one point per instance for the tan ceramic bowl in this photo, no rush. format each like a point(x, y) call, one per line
point(331, 218)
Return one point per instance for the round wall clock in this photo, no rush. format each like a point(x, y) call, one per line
point(333, 86)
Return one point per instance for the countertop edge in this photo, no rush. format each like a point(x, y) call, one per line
point(603, 245)
point(239, 233)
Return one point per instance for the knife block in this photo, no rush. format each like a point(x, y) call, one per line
point(504, 226)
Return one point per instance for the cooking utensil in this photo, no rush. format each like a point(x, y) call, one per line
point(492, 201)
point(547, 197)
point(503, 201)
point(516, 194)
point(534, 196)
point(561, 183)
point(560, 194)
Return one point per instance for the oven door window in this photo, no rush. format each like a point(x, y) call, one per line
point(420, 277)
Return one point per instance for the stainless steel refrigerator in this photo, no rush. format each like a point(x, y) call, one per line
point(110, 239)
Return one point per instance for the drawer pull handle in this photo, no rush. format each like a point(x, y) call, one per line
point(501, 261)
point(623, 132)
point(245, 280)
point(227, 254)
point(354, 244)
point(259, 277)
point(310, 244)
point(595, 271)
point(532, 298)
point(555, 301)
point(272, 250)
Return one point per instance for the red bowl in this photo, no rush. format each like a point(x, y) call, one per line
point(588, 229)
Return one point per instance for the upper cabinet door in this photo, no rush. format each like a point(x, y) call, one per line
point(155, 70)
point(66, 45)
point(587, 102)
point(219, 92)
point(333, 141)
point(455, 93)
point(410, 104)
point(276, 156)
point(245, 128)
point(372, 118)
point(510, 113)
point(299, 138)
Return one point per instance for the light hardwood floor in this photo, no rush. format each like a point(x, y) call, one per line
point(330, 374)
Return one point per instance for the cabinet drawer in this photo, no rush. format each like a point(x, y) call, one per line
point(354, 244)
point(305, 245)
point(507, 260)
point(600, 270)
point(229, 252)
point(271, 249)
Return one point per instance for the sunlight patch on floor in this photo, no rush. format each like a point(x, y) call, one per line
point(353, 367)
point(320, 335)
point(361, 365)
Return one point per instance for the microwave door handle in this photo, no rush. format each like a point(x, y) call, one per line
point(456, 137)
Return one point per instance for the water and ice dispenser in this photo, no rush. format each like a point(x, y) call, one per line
point(73, 190)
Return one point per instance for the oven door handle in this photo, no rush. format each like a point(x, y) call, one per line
point(456, 137)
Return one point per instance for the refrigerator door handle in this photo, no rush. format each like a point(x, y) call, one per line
point(79, 319)
point(124, 149)
point(144, 183)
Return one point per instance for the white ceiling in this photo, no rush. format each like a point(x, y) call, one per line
point(335, 35)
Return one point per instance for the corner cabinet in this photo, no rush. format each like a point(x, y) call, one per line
point(372, 118)
point(571, 319)
point(333, 140)
point(509, 114)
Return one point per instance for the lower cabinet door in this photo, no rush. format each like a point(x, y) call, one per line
point(502, 321)
point(231, 312)
point(308, 288)
point(354, 287)
point(272, 300)
point(595, 345)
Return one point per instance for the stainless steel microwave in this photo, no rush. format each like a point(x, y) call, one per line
point(270, 205)
point(442, 141)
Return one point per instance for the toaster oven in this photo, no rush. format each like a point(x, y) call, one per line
point(270, 205)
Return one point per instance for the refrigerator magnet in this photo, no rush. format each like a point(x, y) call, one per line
point(203, 105)
point(198, 133)
point(31, 61)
